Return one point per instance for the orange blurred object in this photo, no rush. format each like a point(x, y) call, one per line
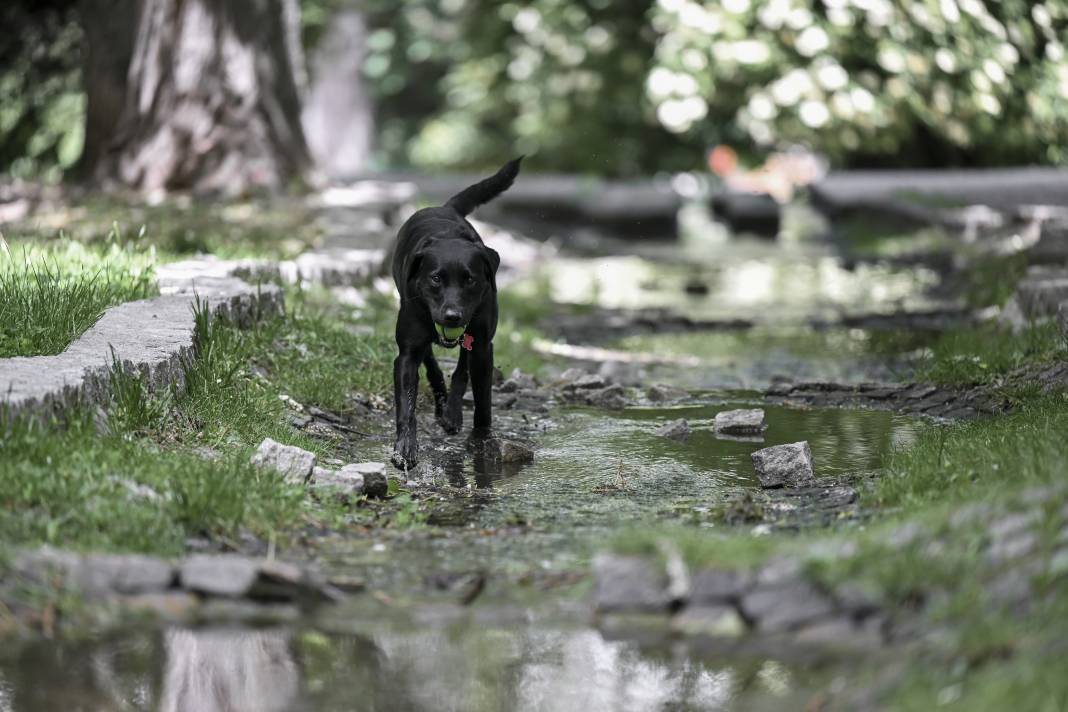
point(723, 160)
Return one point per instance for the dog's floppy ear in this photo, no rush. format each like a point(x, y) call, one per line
point(493, 261)
point(412, 266)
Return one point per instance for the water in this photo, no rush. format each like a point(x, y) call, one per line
point(792, 280)
point(755, 358)
point(483, 604)
point(443, 664)
point(597, 474)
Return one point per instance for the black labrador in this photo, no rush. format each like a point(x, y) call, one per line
point(447, 281)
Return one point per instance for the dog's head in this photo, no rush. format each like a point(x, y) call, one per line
point(452, 277)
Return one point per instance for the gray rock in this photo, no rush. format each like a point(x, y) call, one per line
point(375, 479)
point(219, 575)
point(610, 398)
point(294, 463)
point(786, 607)
point(662, 393)
point(721, 621)
point(678, 430)
point(525, 381)
point(590, 381)
point(507, 451)
point(570, 375)
point(95, 574)
point(230, 576)
point(784, 465)
point(629, 584)
point(518, 381)
point(709, 587)
point(746, 421)
point(1041, 292)
point(778, 570)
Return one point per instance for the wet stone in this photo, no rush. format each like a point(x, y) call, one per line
point(95, 574)
point(662, 393)
point(718, 586)
point(784, 465)
point(364, 478)
point(678, 430)
point(294, 463)
point(590, 381)
point(610, 398)
point(219, 575)
point(786, 606)
point(507, 451)
point(629, 584)
point(746, 421)
point(375, 480)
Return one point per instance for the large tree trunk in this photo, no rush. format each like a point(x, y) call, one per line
point(338, 119)
point(110, 29)
point(211, 101)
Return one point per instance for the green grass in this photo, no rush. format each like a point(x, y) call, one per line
point(50, 294)
point(73, 484)
point(982, 354)
point(980, 458)
point(76, 487)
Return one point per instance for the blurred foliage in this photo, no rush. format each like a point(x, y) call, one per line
point(637, 86)
point(873, 82)
point(42, 105)
point(629, 87)
point(559, 80)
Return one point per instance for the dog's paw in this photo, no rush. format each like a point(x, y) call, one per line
point(405, 454)
point(451, 420)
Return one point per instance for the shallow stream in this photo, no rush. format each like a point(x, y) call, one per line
point(483, 603)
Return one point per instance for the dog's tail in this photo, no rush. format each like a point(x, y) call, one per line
point(485, 190)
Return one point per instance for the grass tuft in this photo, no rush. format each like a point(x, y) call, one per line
point(49, 295)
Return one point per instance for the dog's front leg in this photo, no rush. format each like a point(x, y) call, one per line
point(405, 390)
point(453, 417)
point(482, 385)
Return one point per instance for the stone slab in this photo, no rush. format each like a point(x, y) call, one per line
point(150, 337)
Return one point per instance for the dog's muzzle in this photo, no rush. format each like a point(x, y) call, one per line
point(449, 336)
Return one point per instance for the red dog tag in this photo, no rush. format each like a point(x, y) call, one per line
point(468, 341)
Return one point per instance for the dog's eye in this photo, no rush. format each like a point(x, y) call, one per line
point(435, 279)
point(469, 281)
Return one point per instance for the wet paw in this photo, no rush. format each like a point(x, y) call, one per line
point(405, 454)
point(451, 420)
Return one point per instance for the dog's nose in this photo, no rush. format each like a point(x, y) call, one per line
point(451, 317)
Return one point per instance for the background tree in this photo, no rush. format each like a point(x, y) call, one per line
point(211, 99)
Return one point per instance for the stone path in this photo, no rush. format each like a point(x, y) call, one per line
point(152, 337)
point(783, 605)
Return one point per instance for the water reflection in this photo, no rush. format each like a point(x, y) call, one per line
point(393, 666)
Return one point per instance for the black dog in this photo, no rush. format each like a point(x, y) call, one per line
point(447, 282)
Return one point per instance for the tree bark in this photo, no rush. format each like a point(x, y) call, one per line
point(109, 27)
point(211, 102)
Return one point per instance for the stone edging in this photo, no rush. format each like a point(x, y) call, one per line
point(153, 337)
